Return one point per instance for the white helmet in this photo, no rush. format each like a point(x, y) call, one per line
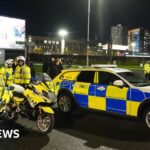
point(9, 62)
point(21, 58)
point(52, 59)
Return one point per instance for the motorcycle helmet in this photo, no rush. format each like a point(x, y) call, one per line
point(9, 62)
point(21, 58)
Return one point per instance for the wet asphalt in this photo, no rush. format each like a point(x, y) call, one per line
point(80, 131)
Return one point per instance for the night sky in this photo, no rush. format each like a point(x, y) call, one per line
point(45, 17)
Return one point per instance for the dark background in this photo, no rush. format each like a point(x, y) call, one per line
point(46, 17)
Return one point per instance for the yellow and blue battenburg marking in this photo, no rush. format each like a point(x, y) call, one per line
point(125, 101)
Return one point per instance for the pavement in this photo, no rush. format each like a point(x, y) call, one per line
point(81, 131)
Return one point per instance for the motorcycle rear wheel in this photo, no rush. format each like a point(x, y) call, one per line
point(45, 123)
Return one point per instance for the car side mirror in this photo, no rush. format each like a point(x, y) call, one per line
point(118, 83)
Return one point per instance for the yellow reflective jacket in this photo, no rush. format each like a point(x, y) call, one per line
point(7, 75)
point(146, 68)
point(22, 75)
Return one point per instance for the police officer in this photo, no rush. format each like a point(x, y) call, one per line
point(147, 70)
point(53, 71)
point(6, 72)
point(59, 65)
point(33, 73)
point(45, 65)
point(22, 73)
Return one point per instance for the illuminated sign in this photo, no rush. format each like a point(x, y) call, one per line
point(116, 47)
point(11, 31)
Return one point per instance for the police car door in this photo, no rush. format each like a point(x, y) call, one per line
point(81, 87)
point(114, 97)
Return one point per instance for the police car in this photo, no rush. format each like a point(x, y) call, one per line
point(108, 89)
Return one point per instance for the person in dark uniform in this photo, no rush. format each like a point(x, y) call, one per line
point(59, 65)
point(53, 71)
point(69, 62)
point(45, 65)
point(33, 73)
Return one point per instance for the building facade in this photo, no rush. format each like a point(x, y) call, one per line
point(146, 47)
point(116, 50)
point(136, 40)
point(119, 35)
point(47, 45)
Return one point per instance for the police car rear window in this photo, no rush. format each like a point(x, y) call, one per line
point(107, 78)
point(69, 75)
point(86, 76)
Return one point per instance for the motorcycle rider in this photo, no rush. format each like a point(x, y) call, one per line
point(6, 72)
point(22, 74)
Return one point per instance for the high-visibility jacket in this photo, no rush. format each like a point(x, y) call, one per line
point(7, 75)
point(22, 75)
point(5, 94)
point(146, 68)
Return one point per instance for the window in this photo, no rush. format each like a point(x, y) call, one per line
point(69, 75)
point(135, 79)
point(107, 78)
point(86, 76)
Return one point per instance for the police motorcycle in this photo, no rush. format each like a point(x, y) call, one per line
point(43, 84)
point(33, 102)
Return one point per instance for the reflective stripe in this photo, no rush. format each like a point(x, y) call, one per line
point(22, 73)
point(23, 78)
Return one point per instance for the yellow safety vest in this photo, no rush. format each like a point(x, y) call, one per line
point(7, 75)
point(22, 75)
point(5, 95)
point(146, 68)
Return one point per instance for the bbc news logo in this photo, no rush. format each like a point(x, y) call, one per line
point(9, 134)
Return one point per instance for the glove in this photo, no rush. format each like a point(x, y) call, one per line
point(7, 75)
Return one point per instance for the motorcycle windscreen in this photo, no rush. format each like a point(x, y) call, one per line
point(43, 77)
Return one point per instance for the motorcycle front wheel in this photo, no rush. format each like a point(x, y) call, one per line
point(45, 123)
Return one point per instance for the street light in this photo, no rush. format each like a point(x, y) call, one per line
point(88, 33)
point(63, 33)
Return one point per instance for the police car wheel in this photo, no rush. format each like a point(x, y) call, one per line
point(146, 117)
point(66, 103)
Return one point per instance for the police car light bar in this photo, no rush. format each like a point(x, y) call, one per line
point(103, 66)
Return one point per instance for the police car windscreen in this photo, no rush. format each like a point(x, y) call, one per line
point(134, 78)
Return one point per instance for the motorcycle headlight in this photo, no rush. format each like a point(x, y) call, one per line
point(52, 97)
